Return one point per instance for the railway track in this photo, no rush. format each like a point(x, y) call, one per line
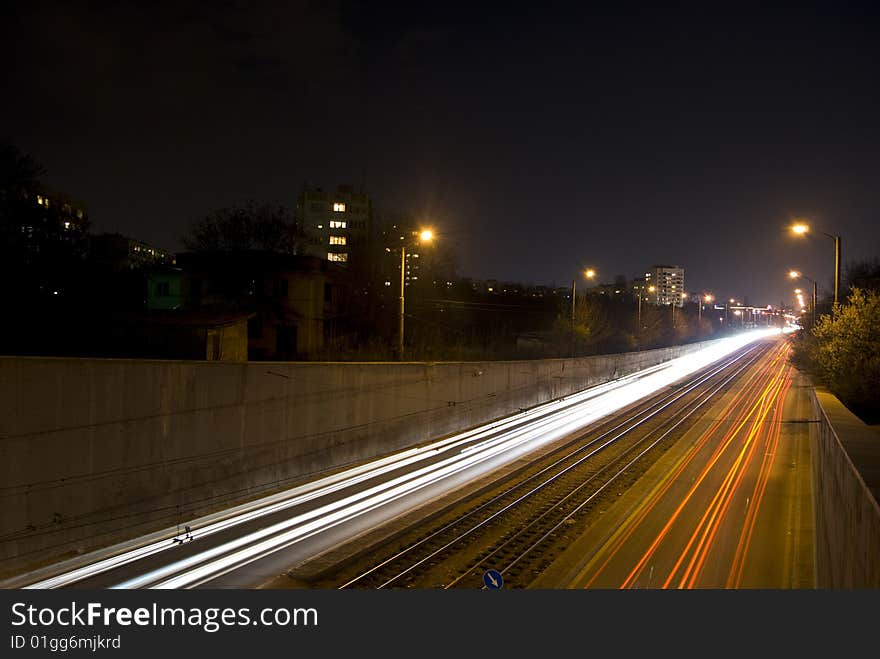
point(517, 528)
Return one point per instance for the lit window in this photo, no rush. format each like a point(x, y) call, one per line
point(67, 225)
point(320, 226)
point(40, 200)
point(339, 258)
point(339, 208)
point(337, 240)
point(79, 214)
point(337, 224)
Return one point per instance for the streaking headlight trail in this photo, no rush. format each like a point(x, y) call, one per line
point(476, 451)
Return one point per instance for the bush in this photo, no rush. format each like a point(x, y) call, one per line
point(843, 352)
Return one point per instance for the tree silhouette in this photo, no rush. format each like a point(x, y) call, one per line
point(246, 227)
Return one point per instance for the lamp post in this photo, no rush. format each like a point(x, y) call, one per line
point(801, 229)
point(650, 289)
point(589, 273)
point(675, 304)
point(703, 298)
point(425, 236)
point(794, 274)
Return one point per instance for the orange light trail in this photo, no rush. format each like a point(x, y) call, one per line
point(762, 395)
point(752, 383)
point(734, 579)
point(731, 484)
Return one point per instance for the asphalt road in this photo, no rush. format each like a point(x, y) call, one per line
point(728, 507)
point(251, 545)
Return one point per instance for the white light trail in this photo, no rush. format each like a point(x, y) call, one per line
point(490, 446)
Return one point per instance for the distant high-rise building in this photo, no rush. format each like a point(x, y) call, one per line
point(337, 225)
point(668, 283)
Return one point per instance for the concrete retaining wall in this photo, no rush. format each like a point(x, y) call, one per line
point(94, 451)
point(846, 483)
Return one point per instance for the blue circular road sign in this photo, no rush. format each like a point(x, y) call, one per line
point(493, 579)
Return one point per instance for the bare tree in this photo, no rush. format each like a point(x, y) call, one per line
point(246, 227)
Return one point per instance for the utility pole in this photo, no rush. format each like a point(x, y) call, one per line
point(640, 312)
point(836, 270)
point(402, 283)
point(573, 298)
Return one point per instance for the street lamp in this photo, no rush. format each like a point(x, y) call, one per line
point(674, 304)
point(650, 289)
point(801, 229)
point(794, 274)
point(424, 236)
point(589, 273)
point(703, 298)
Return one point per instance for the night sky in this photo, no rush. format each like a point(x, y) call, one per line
point(537, 140)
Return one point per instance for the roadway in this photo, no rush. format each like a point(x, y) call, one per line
point(250, 545)
point(728, 507)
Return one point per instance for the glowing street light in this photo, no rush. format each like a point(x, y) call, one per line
point(801, 229)
point(673, 305)
point(650, 289)
point(589, 273)
point(701, 299)
point(424, 236)
point(795, 274)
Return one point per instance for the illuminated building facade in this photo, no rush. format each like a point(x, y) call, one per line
point(668, 283)
point(337, 225)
